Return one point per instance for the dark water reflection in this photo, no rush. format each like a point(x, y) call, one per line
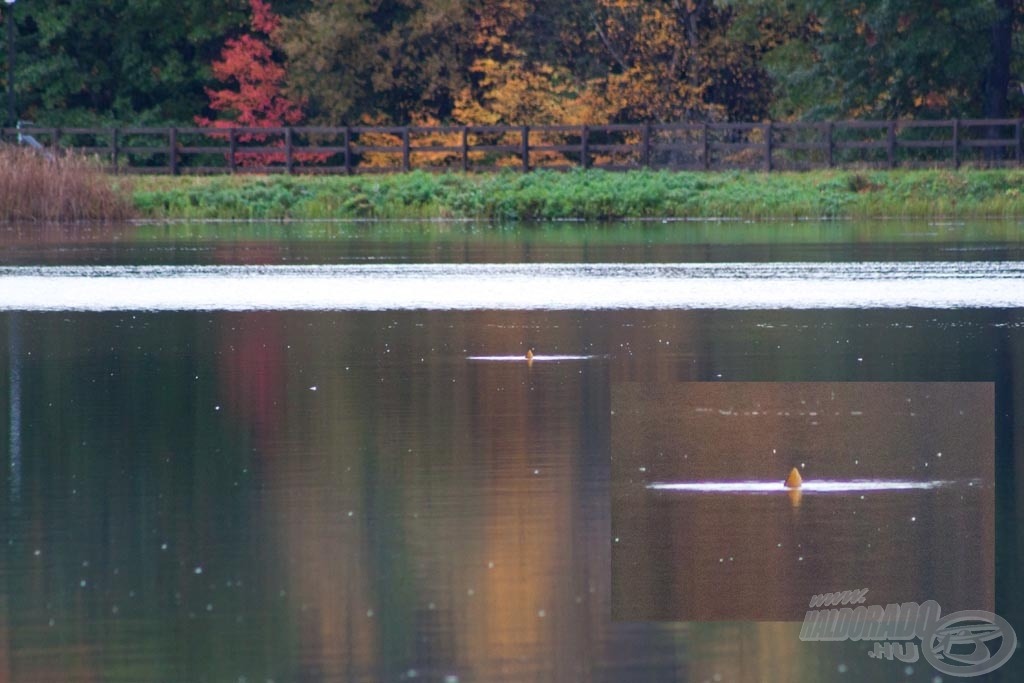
point(468, 242)
point(296, 496)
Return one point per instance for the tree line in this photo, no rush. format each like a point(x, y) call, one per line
point(349, 62)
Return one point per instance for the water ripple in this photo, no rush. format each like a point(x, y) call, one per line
point(548, 286)
point(819, 486)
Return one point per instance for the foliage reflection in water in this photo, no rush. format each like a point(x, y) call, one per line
point(341, 496)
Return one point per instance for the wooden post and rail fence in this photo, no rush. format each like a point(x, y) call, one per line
point(767, 146)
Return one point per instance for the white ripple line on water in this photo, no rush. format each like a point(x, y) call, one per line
point(515, 286)
point(871, 270)
point(524, 359)
point(814, 486)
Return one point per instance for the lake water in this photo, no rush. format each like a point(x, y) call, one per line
point(289, 473)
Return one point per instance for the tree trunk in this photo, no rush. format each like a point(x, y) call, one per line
point(997, 76)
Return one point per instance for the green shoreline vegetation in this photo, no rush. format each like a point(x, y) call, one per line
point(71, 188)
point(592, 195)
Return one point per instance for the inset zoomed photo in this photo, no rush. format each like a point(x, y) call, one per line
point(740, 501)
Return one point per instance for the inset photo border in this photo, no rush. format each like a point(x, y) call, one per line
point(742, 500)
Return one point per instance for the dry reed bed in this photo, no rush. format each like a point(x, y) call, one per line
point(62, 188)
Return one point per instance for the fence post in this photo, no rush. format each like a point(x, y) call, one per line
point(55, 139)
point(524, 147)
point(956, 143)
point(172, 150)
point(465, 149)
point(646, 153)
point(585, 147)
point(405, 150)
point(768, 146)
point(232, 148)
point(114, 148)
point(1017, 141)
point(890, 144)
point(830, 129)
point(348, 150)
point(705, 154)
point(289, 155)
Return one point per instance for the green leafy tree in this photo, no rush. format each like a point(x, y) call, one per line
point(881, 59)
point(119, 61)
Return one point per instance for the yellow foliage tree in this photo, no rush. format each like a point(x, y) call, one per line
point(659, 55)
point(507, 87)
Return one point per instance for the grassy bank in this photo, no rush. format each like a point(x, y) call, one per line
point(591, 195)
point(72, 188)
point(61, 188)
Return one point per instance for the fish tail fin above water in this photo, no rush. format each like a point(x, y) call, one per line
point(794, 480)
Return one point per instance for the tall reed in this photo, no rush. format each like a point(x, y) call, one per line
point(60, 188)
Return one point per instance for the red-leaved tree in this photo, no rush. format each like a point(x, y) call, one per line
point(254, 97)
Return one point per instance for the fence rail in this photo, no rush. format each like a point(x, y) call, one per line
point(768, 146)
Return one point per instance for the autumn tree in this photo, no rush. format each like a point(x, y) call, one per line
point(676, 60)
point(513, 78)
point(254, 78)
point(254, 97)
point(143, 62)
point(388, 61)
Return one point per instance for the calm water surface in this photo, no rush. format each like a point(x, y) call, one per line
point(703, 528)
point(343, 495)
